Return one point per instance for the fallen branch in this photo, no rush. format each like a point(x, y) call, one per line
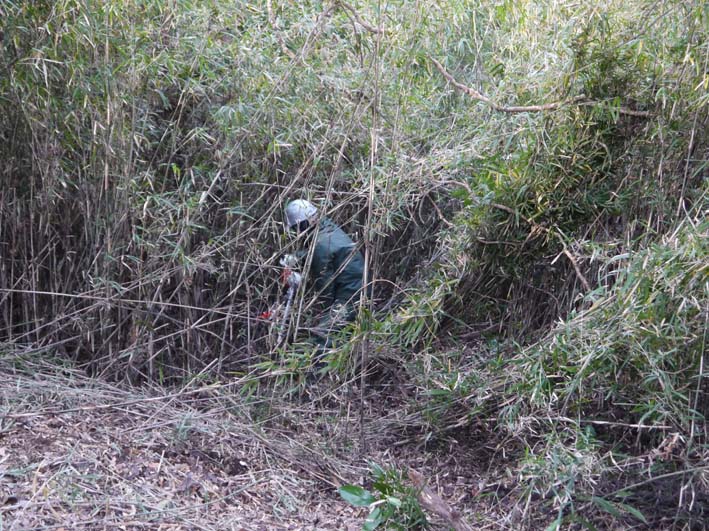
point(433, 502)
point(476, 95)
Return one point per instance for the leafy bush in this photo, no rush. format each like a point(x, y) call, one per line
point(393, 504)
point(638, 350)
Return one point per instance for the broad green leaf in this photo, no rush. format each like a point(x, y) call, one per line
point(607, 506)
point(635, 512)
point(396, 502)
point(373, 520)
point(357, 496)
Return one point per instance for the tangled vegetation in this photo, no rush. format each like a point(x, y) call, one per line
point(527, 181)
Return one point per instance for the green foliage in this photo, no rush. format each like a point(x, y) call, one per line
point(574, 177)
point(559, 467)
point(416, 323)
point(148, 148)
point(393, 504)
point(641, 347)
point(618, 509)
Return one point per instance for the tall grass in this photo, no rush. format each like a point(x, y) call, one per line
point(150, 150)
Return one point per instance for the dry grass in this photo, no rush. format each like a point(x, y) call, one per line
point(78, 452)
point(137, 460)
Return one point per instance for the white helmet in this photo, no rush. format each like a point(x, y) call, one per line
point(298, 211)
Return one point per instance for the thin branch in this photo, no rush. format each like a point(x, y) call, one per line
point(579, 275)
point(476, 95)
point(277, 31)
point(621, 110)
point(630, 488)
point(440, 214)
point(358, 19)
point(367, 236)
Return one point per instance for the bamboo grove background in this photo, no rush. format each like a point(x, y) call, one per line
point(526, 178)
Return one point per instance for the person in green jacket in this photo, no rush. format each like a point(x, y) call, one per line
point(336, 269)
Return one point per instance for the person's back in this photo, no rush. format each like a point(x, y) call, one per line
point(337, 266)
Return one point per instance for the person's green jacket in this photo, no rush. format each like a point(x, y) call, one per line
point(337, 267)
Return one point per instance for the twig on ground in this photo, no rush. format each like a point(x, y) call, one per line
point(434, 503)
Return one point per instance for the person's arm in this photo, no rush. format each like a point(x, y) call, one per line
point(323, 270)
point(290, 275)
